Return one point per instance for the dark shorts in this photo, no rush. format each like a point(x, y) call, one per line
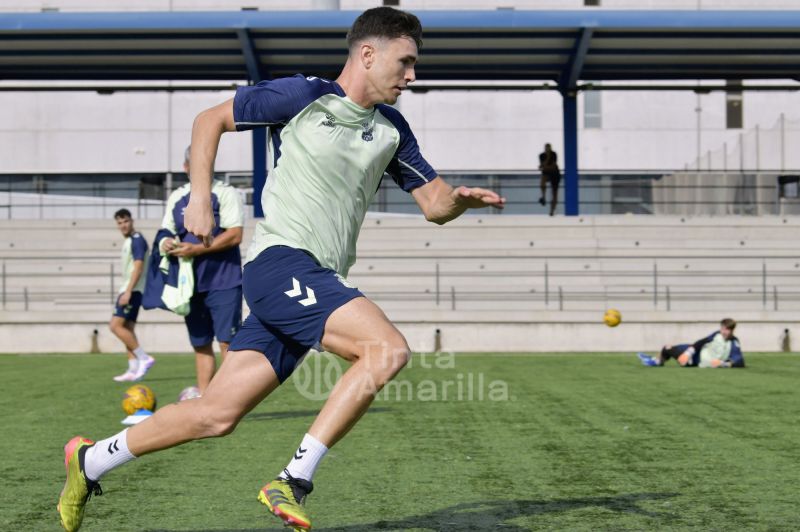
point(553, 178)
point(130, 311)
point(216, 313)
point(677, 350)
point(290, 298)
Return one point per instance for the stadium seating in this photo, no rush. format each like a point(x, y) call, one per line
point(478, 269)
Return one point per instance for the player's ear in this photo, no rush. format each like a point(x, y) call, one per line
point(367, 54)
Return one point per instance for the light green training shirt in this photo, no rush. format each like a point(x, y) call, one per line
point(134, 248)
point(328, 157)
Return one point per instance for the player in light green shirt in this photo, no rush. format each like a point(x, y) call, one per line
point(134, 263)
point(718, 350)
point(332, 142)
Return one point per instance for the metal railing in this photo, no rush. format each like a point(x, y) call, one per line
point(601, 192)
point(758, 283)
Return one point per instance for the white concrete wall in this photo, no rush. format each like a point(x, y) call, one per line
point(161, 332)
point(120, 132)
point(480, 130)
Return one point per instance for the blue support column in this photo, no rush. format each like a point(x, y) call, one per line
point(568, 85)
point(571, 178)
point(259, 168)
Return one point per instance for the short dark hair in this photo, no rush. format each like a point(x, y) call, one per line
point(122, 213)
point(385, 22)
point(728, 323)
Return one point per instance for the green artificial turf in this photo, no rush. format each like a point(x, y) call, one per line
point(539, 442)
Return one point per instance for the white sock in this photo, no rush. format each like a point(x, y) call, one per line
point(133, 365)
point(306, 458)
point(140, 353)
point(107, 454)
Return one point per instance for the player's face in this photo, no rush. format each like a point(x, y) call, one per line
point(125, 226)
point(725, 332)
point(393, 69)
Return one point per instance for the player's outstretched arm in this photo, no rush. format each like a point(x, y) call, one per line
point(207, 129)
point(441, 203)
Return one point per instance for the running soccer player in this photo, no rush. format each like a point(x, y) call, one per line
point(126, 309)
point(720, 349)
point(332, 141)
point(215, 309)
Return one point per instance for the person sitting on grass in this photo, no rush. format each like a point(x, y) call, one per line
point(718, 350)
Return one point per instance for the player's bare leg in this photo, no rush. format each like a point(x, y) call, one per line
point(361, 333)
point(223, 349)
point(119, 326)
point(139, 362)
point(145, 361)
point(205, 365)
point(244, 379)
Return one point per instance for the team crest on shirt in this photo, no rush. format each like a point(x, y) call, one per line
point(330, 120)
point(367, 133)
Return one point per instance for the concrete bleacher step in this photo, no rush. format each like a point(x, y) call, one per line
point(488, 260)
point(19, 245)
point(65, 268)
point(674, 234)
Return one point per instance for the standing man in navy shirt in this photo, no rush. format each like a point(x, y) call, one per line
point(216, 306)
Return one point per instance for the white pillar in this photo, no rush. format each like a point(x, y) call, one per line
point(783, 142)
point(325, 4)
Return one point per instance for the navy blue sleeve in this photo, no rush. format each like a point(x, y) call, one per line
point(408, 168)
point(276, 101)
point(698, 345)
point(737, 358)
point(155, 279)
point(138, 246)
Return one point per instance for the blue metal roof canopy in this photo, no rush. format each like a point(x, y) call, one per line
point(561, 46)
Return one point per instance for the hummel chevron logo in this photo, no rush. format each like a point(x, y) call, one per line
point(297, 290)
point(299, 454)
point(110, 451)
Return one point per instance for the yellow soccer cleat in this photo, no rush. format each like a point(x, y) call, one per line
point(285, 498)
point(77, 489)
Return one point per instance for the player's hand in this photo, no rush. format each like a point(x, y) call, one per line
point(185, 250)
point(168, 244)
point(683, 359)
point(715, 362)
point(475, 198)
point(198, 219)
point(124, 298)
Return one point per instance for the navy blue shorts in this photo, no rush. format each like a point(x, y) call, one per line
point(290, 298)
point(214, 313)
point(130, 311)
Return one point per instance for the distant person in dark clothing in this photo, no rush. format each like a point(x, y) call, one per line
point(548, 165)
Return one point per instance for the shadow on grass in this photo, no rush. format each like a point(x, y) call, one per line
point(491, 515)
point(266, 416)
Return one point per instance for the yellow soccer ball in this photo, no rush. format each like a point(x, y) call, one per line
point(138, 397)
point(612, 317)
